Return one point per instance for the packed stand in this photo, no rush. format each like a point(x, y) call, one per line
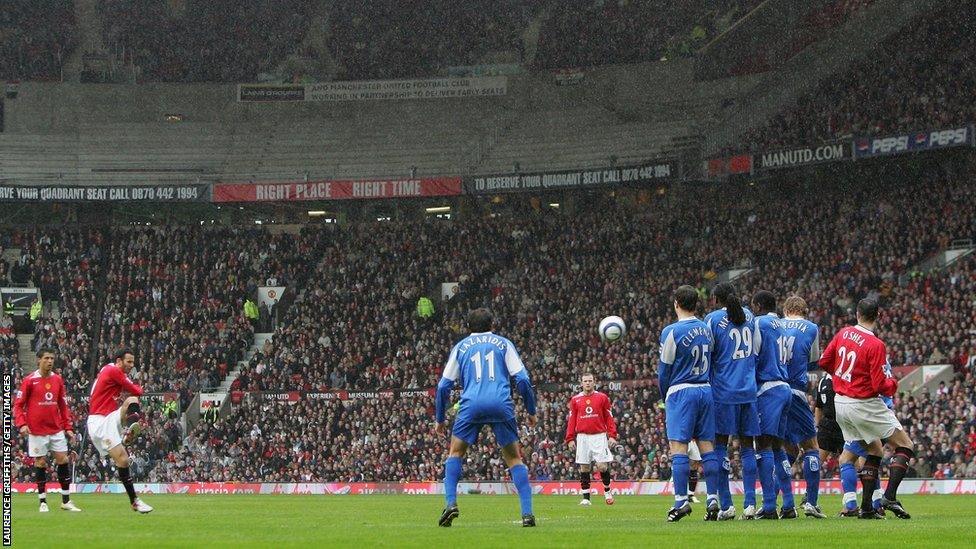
point(204, 41)
point(379, 39)
point(916, 80)
point(35, 39)
point(175, 296)
point(605, 32)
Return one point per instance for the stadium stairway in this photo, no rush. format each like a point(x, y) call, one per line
point(25, 353)
point(957, 250)
point(259, 339)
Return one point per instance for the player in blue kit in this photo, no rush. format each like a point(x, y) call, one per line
point(802, 346)
point(683, 377)
point(733, 379)
point(483, 362)
point(773, 401)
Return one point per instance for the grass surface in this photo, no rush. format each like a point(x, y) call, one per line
point(389, 520)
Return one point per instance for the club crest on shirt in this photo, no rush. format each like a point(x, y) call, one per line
point(47, 385)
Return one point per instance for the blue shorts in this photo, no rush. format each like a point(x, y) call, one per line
point(773, 405)
point(506, 431)
point(800, 425)
point(737, 419)
point(856, 448)
point(689, 414)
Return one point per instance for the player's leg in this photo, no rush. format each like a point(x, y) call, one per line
point(748, 431)
point(64, 472)
point(40, 476)
point(121, 459)
point(585, 470)
point(606, 478)
point(506, 434)
point(131, 413)
point(767, 478)
point(679, 478)
point(870, 479)
point(724, 427)
point(784, 479)
point(680, 418)
point(694, 457)
point(848, 477)
point(452, 475)
point(703, 443)
point(904, 452)
point(811, 477)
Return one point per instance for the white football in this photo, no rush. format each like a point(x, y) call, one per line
point(612, 328)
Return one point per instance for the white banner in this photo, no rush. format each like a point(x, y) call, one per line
point(270, 295)
point(449, 290)
point(211, 400)
point(432, 88)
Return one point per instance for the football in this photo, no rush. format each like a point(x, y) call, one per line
point(612, 328)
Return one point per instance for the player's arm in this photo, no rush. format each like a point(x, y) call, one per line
point(814, 351)
point(668, 349)
point(67, 422)
point(516, 369)
point(829, 356)
point(571, 424)
point(20, 407)
point(444, 387)
point(882, 381)
point(126, 383)
point(608, 419)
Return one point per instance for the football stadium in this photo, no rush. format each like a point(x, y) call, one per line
point(398, 273)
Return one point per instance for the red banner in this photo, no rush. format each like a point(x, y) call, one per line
point(298, 191)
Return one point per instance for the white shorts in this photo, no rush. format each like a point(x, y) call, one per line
point(693, 453)
point(865, 419)
point(40, 445)
point(105, 431)
point(590, 448)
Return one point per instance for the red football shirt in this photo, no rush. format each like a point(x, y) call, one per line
point(856, 359)
point(590, 414)
point(42, 406)
point(108, 386)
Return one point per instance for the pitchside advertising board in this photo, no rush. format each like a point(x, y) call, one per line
point(105, 193)
point(622, 487)
point(569, 179)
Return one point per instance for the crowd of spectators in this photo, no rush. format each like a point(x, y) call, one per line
point(916, 80)
point(378, 39)
point(35, 39)
point(204, 41)
point(601, 32)
point(175, 296)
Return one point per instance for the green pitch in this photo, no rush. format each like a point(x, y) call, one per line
point(364, 521)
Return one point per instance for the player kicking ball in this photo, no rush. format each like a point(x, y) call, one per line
point(42, 414)
point(688, 407)
point(591, 431)
point(105, 420)
point(484, 363)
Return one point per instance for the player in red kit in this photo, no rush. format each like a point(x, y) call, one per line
point(105, 418)
point(589, 429)
point(858, 363)
point(41, 413)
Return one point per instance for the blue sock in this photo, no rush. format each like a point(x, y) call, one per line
point(750, 471)
point(784, 475)
point(848, 482)
point(520, 477)
point(876, 499)
point(724, 493)
point(811, 474)
point(711, 467)
point(680, 466)
point(452, 473)
point(767, 479)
